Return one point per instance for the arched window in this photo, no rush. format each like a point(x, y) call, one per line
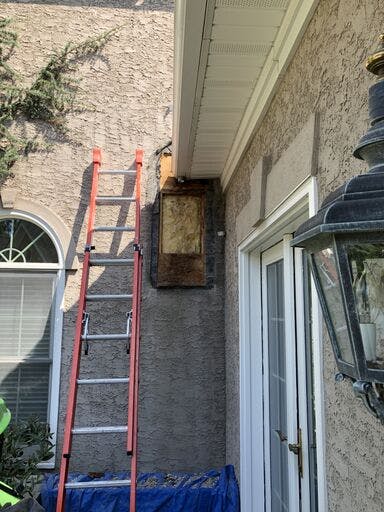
point(31, 284)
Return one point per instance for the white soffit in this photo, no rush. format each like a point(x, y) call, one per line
point(229, 56)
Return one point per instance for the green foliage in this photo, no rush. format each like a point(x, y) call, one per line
point(26, 444)
point(48, 99)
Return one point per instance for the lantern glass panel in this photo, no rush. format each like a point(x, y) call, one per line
point(367, 268)
point(330, 283)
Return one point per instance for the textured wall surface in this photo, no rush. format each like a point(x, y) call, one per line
point(127, 97)
point(326, 76)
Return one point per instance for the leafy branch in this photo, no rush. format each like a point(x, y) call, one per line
point(48, 99)
point(26, 445)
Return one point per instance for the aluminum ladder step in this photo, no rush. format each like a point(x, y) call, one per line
point(114, 199)
point(106, 262)
point(115, 380)
point(97, 337)
point(99, 430)
point(97, 297)
point(98, 483)
point(131, 172)
point(114, 228)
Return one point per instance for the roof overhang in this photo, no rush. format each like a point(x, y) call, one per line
point(229, 58)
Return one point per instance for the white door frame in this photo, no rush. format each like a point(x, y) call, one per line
point(281, 251)
point(298, 206)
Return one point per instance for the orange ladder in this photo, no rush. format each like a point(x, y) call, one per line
point(82, 336)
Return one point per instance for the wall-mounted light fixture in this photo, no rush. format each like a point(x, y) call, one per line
point(345, 244)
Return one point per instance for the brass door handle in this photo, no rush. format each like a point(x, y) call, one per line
point(297, 449)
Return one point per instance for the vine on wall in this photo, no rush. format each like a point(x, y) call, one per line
point(49, 97)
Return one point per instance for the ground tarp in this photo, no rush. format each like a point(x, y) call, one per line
point(213, 491)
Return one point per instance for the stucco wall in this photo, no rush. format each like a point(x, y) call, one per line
point(325, 76)
point(127, 93)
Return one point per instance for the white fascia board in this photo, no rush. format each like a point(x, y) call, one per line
point(189, 28)
point(293, 27)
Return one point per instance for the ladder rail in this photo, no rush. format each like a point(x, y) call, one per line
point(72, 393)
point(136, 397)
point(135, 307)
point(134, 381)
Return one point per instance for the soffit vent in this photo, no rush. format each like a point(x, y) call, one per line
point(256, 4)
point(218, 48)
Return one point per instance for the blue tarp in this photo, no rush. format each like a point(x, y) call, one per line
point(213, 491)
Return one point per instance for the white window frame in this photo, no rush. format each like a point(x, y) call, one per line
point(302, 202)
point(57, 310)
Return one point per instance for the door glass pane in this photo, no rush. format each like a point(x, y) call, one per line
point(277, 387)
point(367, 268)
point(329, 281)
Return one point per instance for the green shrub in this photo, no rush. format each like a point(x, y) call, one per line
point(48, 99)
point(26, 444)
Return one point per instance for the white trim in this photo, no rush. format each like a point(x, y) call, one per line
point(18, 214)
point(317, 344)
point(29, 266)
point(302, 390)
point(263, 421)
point(53, 406)
point(189, 30)
point(251, 354)
point(291, 370)
point(302, 202)
point(293, 206)
point(288, 38)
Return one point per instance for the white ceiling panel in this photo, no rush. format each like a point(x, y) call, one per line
point(206, 168)
point(247, 17)
point(255, 4)
point(241, 73)
point(200, 155)
point(236, 61)
point(235, 75)
point(222, 103)
point(250, 34)
point(220, 141)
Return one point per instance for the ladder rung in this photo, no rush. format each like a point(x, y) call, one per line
point(96, 337)
point(98, 430)
point(106, 262)
point(118, 171)
point(114, 228)
point(109, 297)
point(116, 380)
point(98, 483)
point(114, 199)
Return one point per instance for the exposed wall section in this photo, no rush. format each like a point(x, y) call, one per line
point(296, 164)
point(254, 211)
point(326, 76)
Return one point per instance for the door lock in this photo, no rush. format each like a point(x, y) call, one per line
point(297, 449)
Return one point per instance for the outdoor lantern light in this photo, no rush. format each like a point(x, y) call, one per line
point(345, 245)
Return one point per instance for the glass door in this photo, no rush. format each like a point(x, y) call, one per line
point(289, 468)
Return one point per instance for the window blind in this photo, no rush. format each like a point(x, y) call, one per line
point(25, 342)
